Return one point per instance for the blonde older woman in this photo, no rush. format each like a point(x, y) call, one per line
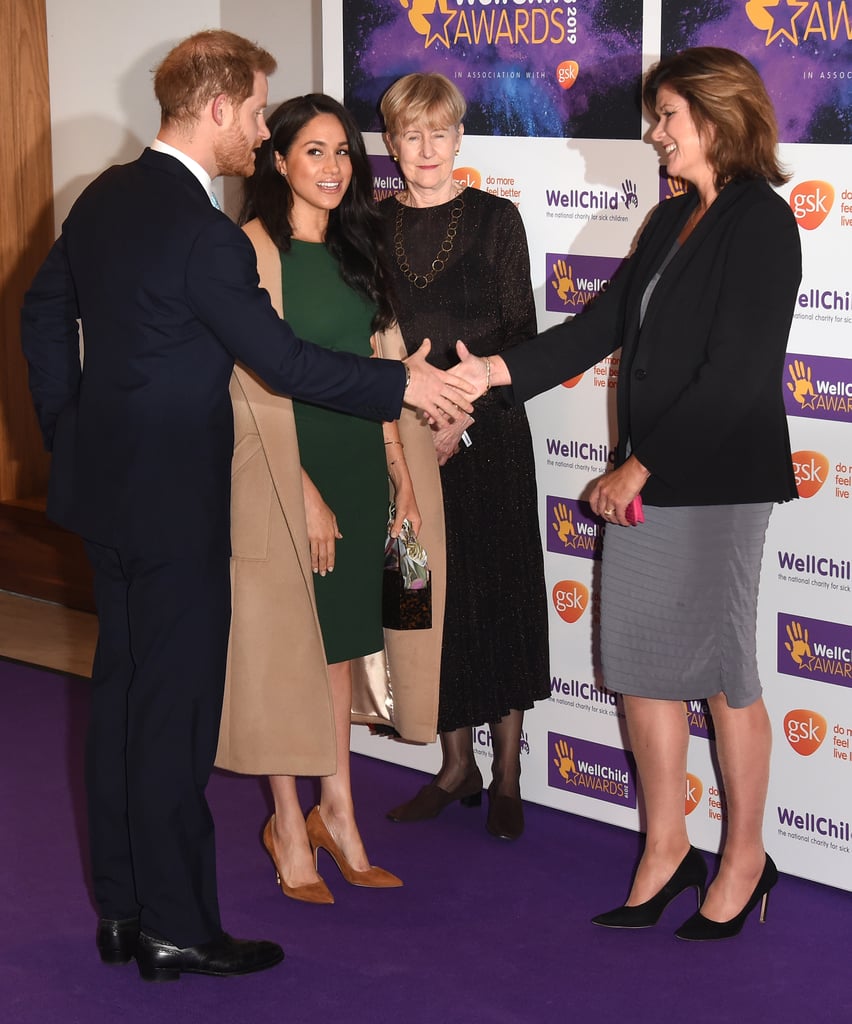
point(460, 269)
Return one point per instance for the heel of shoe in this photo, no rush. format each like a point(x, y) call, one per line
point(474, 800)
point(150, 973)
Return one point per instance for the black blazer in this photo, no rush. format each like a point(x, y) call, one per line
point(166, 289)
point(700, 385)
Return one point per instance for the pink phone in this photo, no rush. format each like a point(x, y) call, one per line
point(633, 513)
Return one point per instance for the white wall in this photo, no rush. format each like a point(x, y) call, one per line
point(101, 53)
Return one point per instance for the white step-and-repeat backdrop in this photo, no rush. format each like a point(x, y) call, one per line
point(554, 125)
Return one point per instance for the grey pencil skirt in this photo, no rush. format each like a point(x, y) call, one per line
point(679, 603)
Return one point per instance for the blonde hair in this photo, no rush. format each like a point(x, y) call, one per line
point(427, 98)
point(206, 65)
point(730, 107)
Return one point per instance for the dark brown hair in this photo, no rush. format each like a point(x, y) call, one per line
point(206, 65)
point(354, 233)
point(730, 107)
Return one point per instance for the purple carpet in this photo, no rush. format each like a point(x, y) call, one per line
point(483, 931)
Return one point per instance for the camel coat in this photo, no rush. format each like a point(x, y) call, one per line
point(277, 712)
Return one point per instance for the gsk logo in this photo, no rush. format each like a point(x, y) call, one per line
point(805, 730)
point(811, 202)
point(811, 470)
point(567, 73)
point(572, 382)
point(694, 791)
point(570, 599)
point(468, 176)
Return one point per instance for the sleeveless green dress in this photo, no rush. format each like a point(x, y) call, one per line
point(343, 455)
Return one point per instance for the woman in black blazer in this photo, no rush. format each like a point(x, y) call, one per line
point(702, 311)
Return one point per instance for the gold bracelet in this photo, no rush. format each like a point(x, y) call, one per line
point(487, 374)
point(396, 442)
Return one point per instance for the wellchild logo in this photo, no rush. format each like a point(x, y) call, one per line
point(572, 528)
point(490, 22)
point(828, 827)
point(698, 717)
point(387, 180)
point(778, 21)
point(805, 730)
point(570, 599)
point(815, 649)
point(823, 567)
point(672, 187)
point(579, 690)
point(576, 280)
point(811, 469)
point(819, 387)
point(811, 202)
point(482, 740)
point(591, 769)
point(694, 792)
point(594, 200)
point(584, 454)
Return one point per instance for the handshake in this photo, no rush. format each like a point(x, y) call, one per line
point(444, 394)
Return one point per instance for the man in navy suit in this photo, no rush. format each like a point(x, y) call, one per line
point(165, 287)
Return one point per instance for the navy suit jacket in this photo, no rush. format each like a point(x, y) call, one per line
point(166, 289)
point(700, 384)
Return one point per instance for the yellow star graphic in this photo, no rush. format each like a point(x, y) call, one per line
point(439, 25)
point(784, 19)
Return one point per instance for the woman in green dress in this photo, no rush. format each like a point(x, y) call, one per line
point(312, 195)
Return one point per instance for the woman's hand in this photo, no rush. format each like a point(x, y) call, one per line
point(406, 508)
point(447, 438)
point(614, 491)
point(323, 532)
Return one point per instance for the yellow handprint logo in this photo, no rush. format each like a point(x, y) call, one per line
point(798, 645)
point(564, 524)
point(563, 280)
point(800, 385)
point(564, 760)
point(677, 187)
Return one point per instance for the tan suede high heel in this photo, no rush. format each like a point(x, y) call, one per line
point(321, 839)
point(311, 892)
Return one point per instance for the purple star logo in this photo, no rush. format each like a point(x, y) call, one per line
point(439, 25)
point(783, 20)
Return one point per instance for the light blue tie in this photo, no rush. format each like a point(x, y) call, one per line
point(215, 201)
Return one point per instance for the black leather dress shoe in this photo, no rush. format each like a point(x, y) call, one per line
point(116, 940)
point(159, 960)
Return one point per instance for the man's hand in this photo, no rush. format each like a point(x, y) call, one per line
point(440, 394)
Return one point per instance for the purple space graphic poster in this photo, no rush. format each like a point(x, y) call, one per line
point(531, 68)
point(802, 49)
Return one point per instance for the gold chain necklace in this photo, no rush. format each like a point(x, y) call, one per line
point(441, 257)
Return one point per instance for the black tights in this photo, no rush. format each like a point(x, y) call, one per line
point(458, 760)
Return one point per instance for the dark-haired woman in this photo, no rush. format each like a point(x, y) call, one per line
point(702, 310)
point(310, 507)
